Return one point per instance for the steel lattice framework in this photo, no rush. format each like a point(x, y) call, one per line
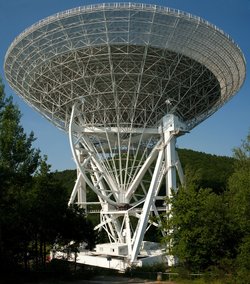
point(125, 80)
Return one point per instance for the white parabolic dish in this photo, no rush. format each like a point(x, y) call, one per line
point(127, 63)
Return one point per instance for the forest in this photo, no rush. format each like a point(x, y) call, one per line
point(209, 223)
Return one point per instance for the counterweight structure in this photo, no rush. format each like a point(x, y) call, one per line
point(124, 80)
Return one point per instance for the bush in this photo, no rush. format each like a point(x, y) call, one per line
point(146, 271)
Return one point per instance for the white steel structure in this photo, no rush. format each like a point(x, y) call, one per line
point(124, 80)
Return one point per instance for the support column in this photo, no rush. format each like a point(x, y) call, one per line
point(172, 127)
point(81, 193)
point(170, 161)
point(141, 227)
point(128, 233)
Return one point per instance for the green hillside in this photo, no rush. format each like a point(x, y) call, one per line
point(67, 178)
point(211, 171)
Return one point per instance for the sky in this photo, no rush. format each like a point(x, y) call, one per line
point(217, 135)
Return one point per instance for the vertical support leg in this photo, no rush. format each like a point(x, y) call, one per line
point(79, 188)
point(146, 207)
point(74, 191)
point(81, 193)
point(171, 127)
point(128, 233)
point(170, 160)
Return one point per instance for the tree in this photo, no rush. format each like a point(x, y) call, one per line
point(211, 228)
point(33, 204)
point(18, 162)
point(239, 204)
point(52, 219)
point(200, 228)
point(48, 202)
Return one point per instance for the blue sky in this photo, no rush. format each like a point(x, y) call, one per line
point(218, 135)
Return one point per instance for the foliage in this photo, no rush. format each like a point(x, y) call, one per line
point(209, 229)
point(239, 187)
point(67, 178)
point(211, 171)
point(146, 271)
point(33, 204)
point(199, 228)
point(239, 204)
point(77, 228)
point(18, 162)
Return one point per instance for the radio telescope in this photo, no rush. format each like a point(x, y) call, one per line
point(124, 80)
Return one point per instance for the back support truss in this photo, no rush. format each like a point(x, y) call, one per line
point(128, 181)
